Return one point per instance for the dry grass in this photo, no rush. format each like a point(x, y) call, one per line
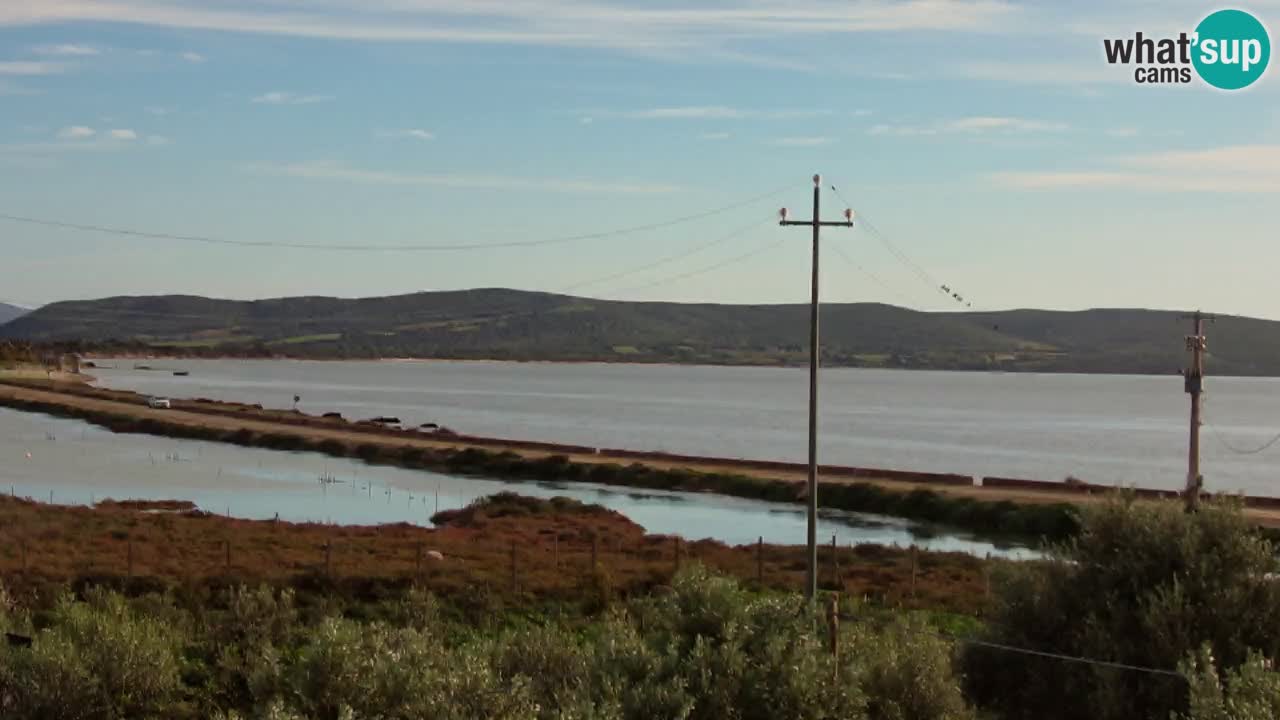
point(43, 545)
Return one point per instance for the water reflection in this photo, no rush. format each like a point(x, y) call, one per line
point(74, 462)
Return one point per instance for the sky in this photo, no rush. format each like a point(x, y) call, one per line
point(984, 144)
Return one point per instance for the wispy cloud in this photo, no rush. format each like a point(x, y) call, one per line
point(288, 98)
point(1073, 74)
point(31, 67)
point(1122, 132)
point(605, 23)
point(1227, 169)
point(157, 110)
point(977, 124)
point(712, 112)
point(66, 50)
point(338, 172)
point(688, 112)
point(74, 139)
point(411, 133)
point(192, 57)
point(714, 136)
point(158, 140)
point(77, 132)
point(808, 141)
point(1014, 124)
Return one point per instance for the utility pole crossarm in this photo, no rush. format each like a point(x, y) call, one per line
point(815, 222)
point(1194, 386)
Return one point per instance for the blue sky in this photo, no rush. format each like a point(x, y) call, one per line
point(988, 140)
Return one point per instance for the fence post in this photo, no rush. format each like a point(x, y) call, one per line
point(515, 581)
point(833, 627)
point(835, 564)
point(913, 572)
point(760, 561)
point(986, 576)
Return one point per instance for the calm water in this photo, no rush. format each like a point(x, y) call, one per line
point(79, 463)
point(1129, 430)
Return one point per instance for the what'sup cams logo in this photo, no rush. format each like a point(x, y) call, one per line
point(1229, 50)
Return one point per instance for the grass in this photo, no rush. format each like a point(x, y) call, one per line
point(550, 543)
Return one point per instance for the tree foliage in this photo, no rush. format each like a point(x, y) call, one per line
point(1144, 584)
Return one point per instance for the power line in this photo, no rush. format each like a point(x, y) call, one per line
point(1265, 446)
point(1222, 440)
point(98, 314)
point(1066, 658)
point(129, 232)
point(902, 257)
point(1036, 653)
point(875, 278)
point(710, 268)
point(669, 259)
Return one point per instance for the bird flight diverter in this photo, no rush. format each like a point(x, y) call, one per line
point(783, 213)
point(848, 214)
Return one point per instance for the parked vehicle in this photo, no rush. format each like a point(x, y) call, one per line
point(159, 403)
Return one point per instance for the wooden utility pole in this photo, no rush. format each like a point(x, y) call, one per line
point(1194, 385)
point(811, 576)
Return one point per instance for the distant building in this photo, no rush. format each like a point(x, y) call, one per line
point(70, 363)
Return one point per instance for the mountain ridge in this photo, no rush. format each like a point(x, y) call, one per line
point(497, 323)
point(11, 312)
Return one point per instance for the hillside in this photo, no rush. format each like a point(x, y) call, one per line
point(518, 325)
point(10, 312)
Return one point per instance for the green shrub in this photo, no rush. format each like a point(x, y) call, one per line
point(1144, 584)
point(95, 661)
point(1251, 691)
point(374, 671)
point(746, 656)
point(907, 674)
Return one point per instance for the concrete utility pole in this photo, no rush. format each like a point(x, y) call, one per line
point(811, 577)
point(1194, 384)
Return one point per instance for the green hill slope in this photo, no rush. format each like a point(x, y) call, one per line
point(511, 324)
point(9, 312)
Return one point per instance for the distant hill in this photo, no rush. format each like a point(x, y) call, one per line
point(519, 325)
point(9, 312)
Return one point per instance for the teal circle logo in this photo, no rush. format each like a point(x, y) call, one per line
point(1232, 49)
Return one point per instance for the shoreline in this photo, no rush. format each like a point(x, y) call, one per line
point(95, 356)
point(1008, 508)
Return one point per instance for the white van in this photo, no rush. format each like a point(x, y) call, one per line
point(158, 402)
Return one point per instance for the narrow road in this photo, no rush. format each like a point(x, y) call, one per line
point(225, 416)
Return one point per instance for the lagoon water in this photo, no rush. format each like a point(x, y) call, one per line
point(73, 462)
point(1108, 429)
